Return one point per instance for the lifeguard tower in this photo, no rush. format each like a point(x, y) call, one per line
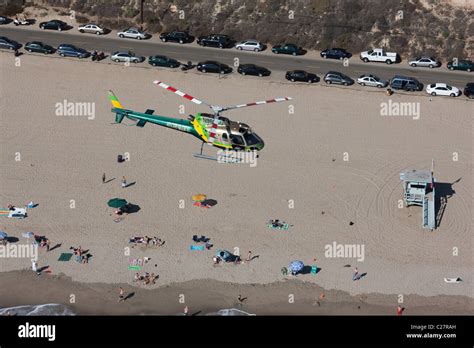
point(419, 189)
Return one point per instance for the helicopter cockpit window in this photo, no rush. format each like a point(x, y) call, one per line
point(251, 138)
point(237, 139)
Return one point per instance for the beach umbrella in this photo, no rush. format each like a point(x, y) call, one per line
point(3, 235)
point(199, 197)
point(28, 234)
point(117, 203)
point(296, 266)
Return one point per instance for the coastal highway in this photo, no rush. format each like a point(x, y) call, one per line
point(310, 62)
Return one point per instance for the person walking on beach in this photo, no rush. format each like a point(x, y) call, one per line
point(48, 245)
point(249, 256)
point(121, 295)
point(241, 300)
point(103, 178)
point(34, 265)
point(186, 310)
point(400, 310)
point(355, 276)
point(124, 182)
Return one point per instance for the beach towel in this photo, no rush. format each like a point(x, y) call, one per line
point(285, 227)
point(135, 264)
point(65, 257)
point(196, 247)
point(4, 211)
point(314, 269)
point(201, 204)
point(452, 280)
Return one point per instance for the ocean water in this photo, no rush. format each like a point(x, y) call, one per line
point(52, 309)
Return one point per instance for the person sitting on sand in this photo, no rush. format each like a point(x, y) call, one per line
point(85, 258)
point(152, 278)
point(276, 223)
point(11, 207)
point(137, 277)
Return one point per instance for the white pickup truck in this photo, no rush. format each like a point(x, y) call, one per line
point(379, 55)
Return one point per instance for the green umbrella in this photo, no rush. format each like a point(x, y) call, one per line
point(117, 203)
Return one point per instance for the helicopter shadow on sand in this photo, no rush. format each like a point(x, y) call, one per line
point(444, 191)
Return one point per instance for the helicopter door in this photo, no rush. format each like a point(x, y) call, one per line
point(237, 141)
point(225, 138)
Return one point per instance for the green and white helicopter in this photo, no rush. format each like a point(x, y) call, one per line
point(213, 129)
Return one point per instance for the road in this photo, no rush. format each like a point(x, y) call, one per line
point(310, 62)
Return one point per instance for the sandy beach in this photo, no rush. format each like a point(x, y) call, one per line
point(334, 161)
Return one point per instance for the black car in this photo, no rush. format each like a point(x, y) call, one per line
point(338, 78)
point(213, 67)
point(335, 53)
point(37, 46)
point(301, 75)
point(252, 69)
point(5, 42)
point(469, 90)
point(215, 40)
point(54, 24)
point(288, 48)
point(163, 61)
point(4, 20)
point(176, 36)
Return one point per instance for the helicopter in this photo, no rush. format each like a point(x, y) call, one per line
point(213, 129)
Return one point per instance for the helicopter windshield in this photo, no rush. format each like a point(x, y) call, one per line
point(251, 138)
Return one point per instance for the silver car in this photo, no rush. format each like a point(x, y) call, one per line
point(91, 28)
point(427, 62)
point(126, 57)
point(249, 45)
point(371, 81)
point(133, 33)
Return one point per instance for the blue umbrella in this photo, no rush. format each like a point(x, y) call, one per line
point(296, 266)
point(3, 235)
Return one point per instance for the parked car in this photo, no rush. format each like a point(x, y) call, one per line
point(20, 19)
point(287, 48)
point(463, 64)
point(252, 69)
point(427, 62)
point(371, 81)
point(213, 67)
point(67, 50)
point(133, 33)
point(91, 28)
point(249, 45)
point(163, 61)
point(176, 36)
point(379, 55)
point(302, 76)
point(338, 78)
point(7, 43)
point(37, 46)
point(443, 89)
point(120, 56)
point(54, 24)
point(335, 53)
point(406, 83)
point(215, 40)
point(4, 20)
point(469, 90)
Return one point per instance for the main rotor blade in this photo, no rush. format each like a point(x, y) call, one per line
point(180, 93)
point(275, 100)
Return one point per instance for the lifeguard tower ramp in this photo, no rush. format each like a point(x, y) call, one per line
point(419, 189)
